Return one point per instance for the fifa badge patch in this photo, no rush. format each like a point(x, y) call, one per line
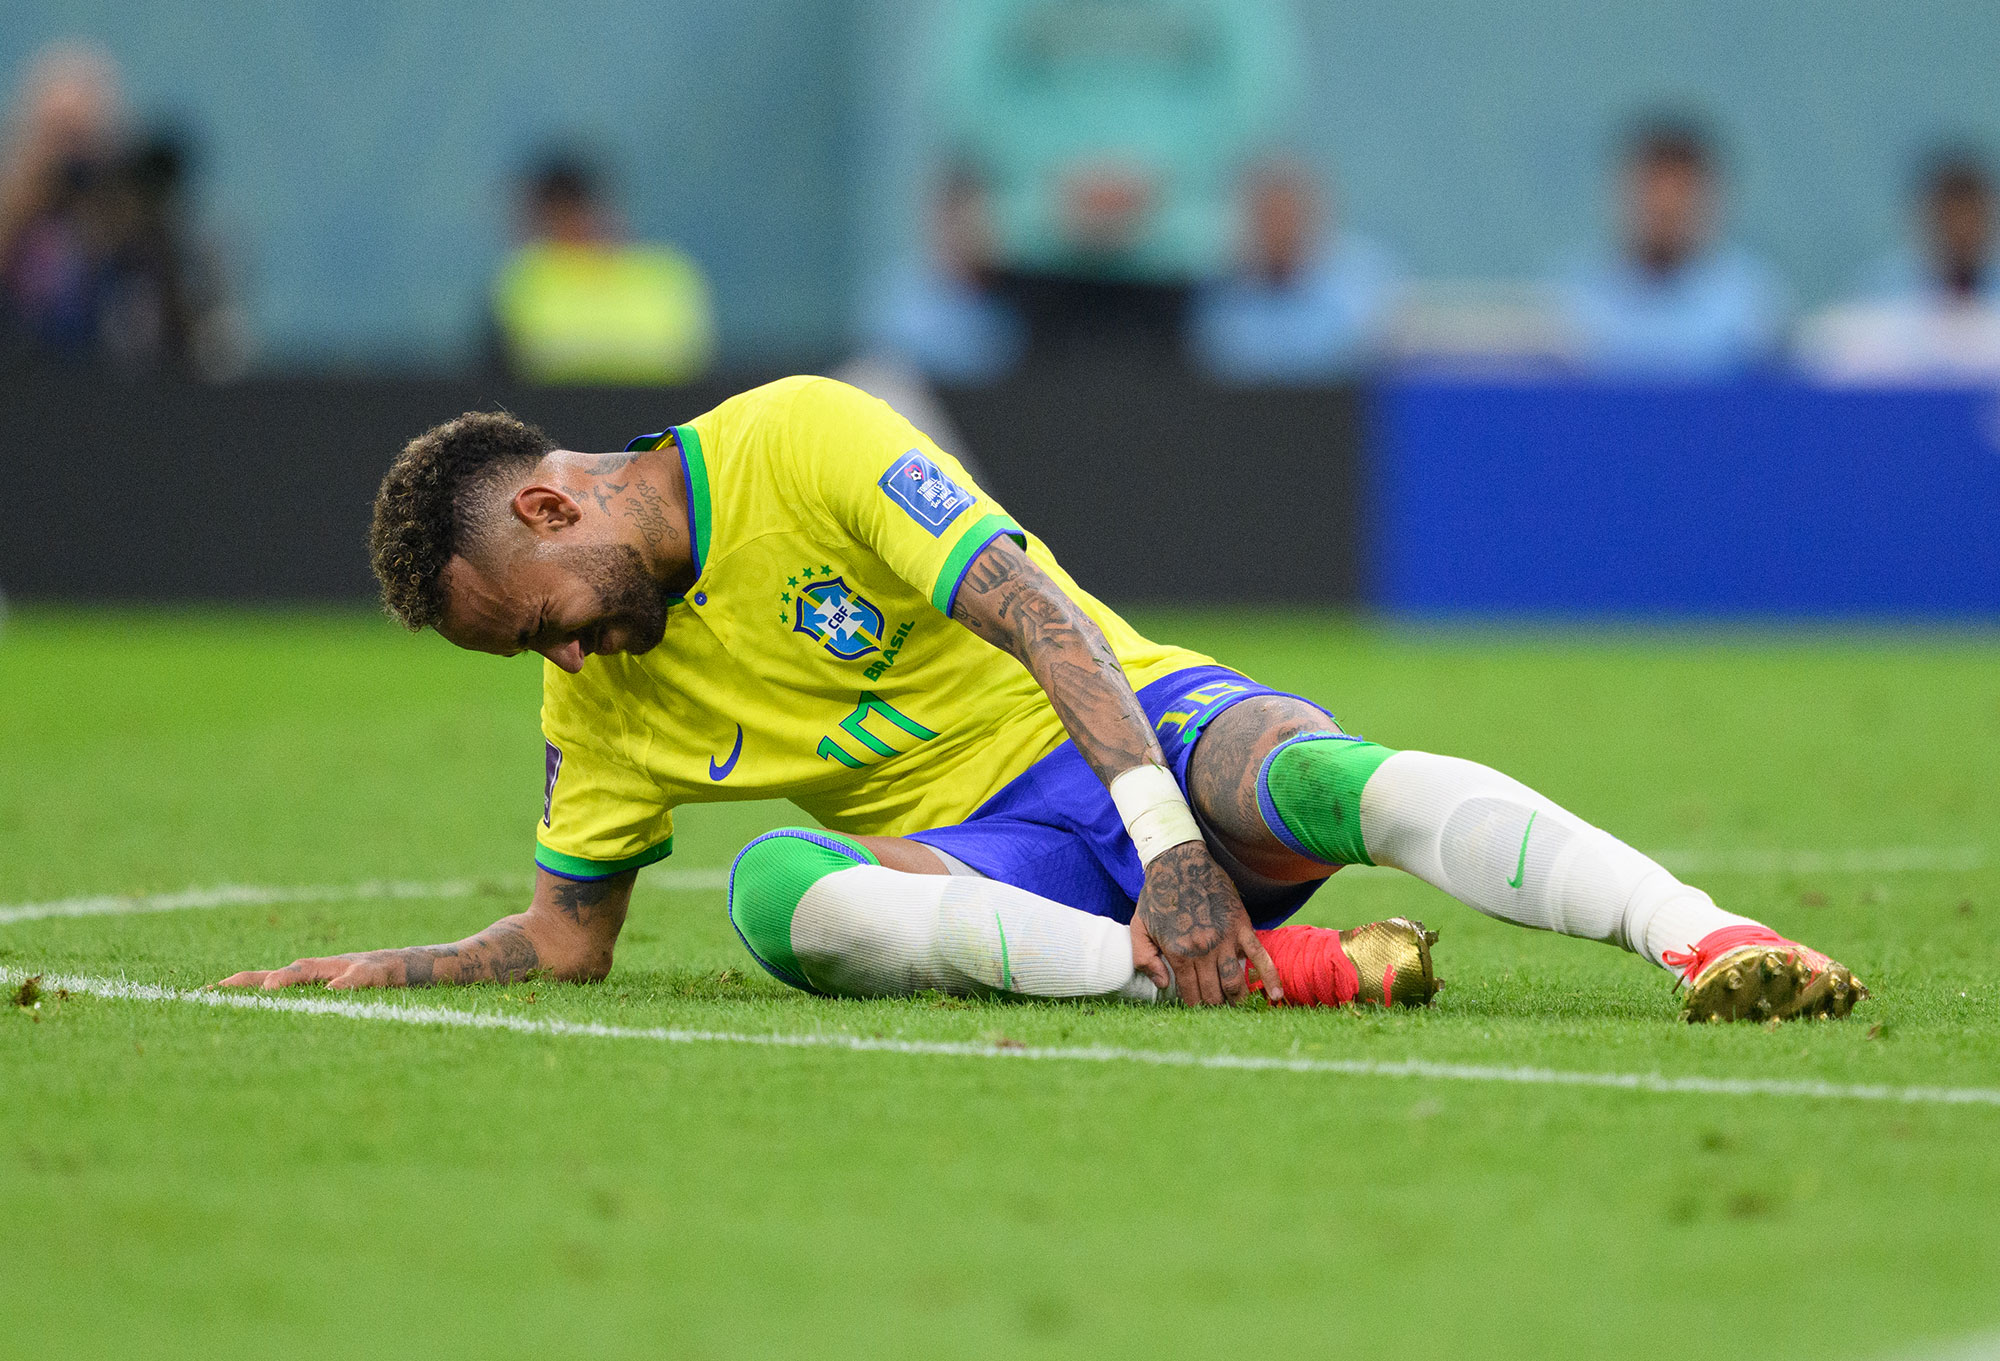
point(920, 487)
point(552, 760)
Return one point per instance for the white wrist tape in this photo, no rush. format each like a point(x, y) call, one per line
point(1154, 812)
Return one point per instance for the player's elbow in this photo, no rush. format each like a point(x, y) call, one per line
point(582, 965)
point(569, 955)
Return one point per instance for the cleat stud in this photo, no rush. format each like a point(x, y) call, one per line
point(1770, 965)
point(1733, 980)
point(1763, 1007)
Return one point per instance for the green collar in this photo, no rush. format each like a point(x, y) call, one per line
point(694, 470)
point(694, 475)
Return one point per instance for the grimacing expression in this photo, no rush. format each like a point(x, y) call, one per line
point(565, 602)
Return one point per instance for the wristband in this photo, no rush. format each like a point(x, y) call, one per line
point(1155, 814)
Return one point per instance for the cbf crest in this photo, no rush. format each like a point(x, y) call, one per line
point(842, 621)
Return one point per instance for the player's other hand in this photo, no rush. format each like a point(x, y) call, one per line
point(1191, 923)
point(339, 971)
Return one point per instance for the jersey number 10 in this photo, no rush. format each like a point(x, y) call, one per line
point(873, 748)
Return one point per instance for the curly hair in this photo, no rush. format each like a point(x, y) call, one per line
point(430, 506)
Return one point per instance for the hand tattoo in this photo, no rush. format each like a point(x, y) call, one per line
point(1188, 902)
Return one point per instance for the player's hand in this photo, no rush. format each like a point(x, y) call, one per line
point(375, 969)
point(1191, 921)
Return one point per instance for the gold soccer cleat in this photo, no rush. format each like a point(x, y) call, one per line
point(1385, 963)
point(1751, 973)
point(1393, 961)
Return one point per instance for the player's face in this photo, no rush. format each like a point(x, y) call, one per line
point(565, 603)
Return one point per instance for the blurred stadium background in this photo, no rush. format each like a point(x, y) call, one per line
point(1542, 307)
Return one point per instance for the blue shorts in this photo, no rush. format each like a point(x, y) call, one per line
point(1053, 829)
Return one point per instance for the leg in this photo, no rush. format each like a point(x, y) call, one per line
point(881, 917)
point(1293, 798)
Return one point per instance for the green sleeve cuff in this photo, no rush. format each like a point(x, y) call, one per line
point(945, 592)
point(576, 867)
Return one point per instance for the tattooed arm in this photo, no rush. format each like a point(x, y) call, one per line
point(1189, 913)
point(567, 933)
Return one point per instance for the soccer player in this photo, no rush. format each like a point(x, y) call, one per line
point(798, 595)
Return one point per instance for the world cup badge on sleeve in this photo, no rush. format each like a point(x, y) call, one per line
point(920, 487)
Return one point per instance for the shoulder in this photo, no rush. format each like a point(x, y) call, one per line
point(824, 417)
point(1355, 252)
point(804, 430)
point(520, 268)
point(783, 399)
point(1590, 272)
point(1898, 275)
point(665, 259)
point(1738, 266)
point(757, 418)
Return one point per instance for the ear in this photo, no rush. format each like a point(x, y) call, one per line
point(545, 509)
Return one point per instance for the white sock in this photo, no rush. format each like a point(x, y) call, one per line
point(1461, 827)
point(875, 932)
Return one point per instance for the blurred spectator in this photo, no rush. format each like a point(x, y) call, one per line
point(1931, 312)
point(1308, 302)
point(1960, 259)
point(97, 259)
point(1111, 134)
point(938, 313)
point(1678, 299)
point(579, 304)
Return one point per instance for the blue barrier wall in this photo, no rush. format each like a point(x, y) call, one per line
point(1770, 498)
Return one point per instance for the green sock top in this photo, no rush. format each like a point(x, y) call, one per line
point(1310, 793)
point(769, 877)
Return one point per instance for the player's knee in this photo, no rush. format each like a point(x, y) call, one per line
point(1309, 791)
point(770, 876)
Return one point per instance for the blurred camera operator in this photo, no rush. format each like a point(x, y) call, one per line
point(97, 261)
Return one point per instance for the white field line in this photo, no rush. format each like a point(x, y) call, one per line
point(402, 1013)
point(1985, 1348)
point(267, 895)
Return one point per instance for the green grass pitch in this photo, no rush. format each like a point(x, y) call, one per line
point(181, 1179)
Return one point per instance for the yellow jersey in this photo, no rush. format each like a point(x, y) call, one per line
point(814, 658)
